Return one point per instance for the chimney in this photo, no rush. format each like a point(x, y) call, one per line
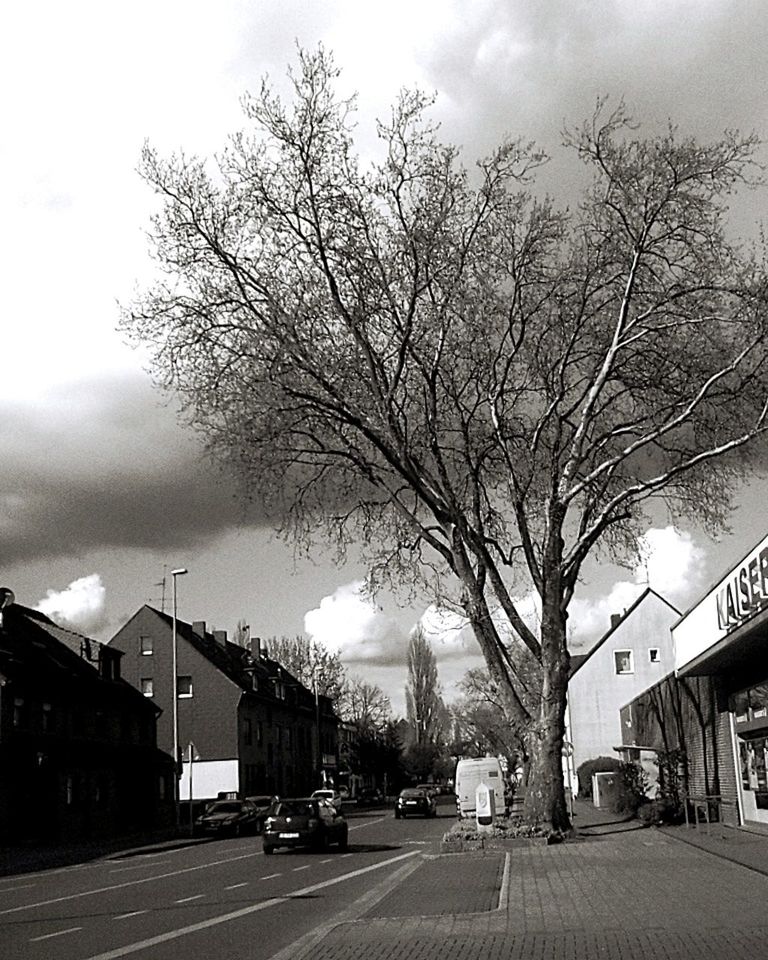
point(615, 620)
point(198, 627)
point(220, 636)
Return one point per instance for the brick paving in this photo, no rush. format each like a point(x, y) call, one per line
point(621, 891)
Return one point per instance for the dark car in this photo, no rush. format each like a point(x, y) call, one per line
point(415, 801)
point(228, 817)
point(369, 797)
point(304, 822)
point(262, 805)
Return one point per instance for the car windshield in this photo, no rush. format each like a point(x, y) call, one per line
point(412, 793)
point(294, 808)
point(227, 806)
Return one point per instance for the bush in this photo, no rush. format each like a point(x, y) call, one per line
point(503, 828)
point(598, 765)
point(633, 787)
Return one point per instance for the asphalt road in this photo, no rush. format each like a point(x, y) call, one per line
point(217, 899)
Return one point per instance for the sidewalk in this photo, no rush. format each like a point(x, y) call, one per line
point(620, 890)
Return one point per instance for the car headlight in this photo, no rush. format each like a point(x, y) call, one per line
point(269, 823)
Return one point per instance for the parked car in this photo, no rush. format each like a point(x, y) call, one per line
point(331, 795)
point(414, 800)
point(369, 797)
point(262, 805)
point(304, 822)
point(228, 817)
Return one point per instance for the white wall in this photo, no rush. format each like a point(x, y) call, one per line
point(209, 778)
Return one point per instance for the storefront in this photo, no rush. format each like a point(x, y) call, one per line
point(724, 638)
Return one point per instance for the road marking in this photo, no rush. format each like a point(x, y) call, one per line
point(133, 913)
point(138, 866)
point(301, 868)
point(244, 911)
point(234, 886)
point(25, 886)
point(271, 876)
point(128, 883)
point(197, 896)
point(328, 860)
point(59, 933)
point(343, 856)
point(370, 823)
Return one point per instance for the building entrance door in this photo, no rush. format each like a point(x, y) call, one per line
point(753, 754)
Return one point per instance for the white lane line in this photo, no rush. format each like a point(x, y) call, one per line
point(138, 866)
point(127, 883)
point(370, 823)
point(133, 913)
point(328, 860)
point(301, 868)
point(244, 911)
point(234, 886)
point(271, 876)
point(59, 933)
point(197, 896)
point(344, 856)
point(24, 886)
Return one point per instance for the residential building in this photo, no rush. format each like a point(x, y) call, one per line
point(712, 709)
point(78, 754)
point(245, 724)
point(635, 653)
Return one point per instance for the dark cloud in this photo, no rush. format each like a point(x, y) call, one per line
point(105, 464)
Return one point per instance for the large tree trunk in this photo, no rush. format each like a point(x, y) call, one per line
point(545, 802)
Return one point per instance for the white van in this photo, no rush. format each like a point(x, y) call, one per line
point(469, 775)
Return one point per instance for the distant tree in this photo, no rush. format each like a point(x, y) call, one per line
point(423, 705)
point(366, 706)
point(311, 663)
point(242, 634)
point(462, 378)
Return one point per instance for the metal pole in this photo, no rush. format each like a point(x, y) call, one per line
point(175, 692)
point(191, 805)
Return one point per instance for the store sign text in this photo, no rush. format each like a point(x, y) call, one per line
point(744, 593)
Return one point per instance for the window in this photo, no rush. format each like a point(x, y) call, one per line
point(145, 646)
point(183, 687)
point(147, 686)
point(623, 661)
point(654, 655)
point(259, 731)
point(248, 731)
point(18, 712)
point(47, 718)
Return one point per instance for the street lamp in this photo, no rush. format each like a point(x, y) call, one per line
point(174, 574)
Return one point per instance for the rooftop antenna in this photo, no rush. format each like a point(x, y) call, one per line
point(7, 597)
point(161, 583)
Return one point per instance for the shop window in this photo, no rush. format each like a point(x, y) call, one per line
point(622, 660)
point(146, 646)
point(654, 655)
point(758, 701)
point(147, 686)
point(740, 706)
point(18, 712)
point(183, 687)
point(47, 718)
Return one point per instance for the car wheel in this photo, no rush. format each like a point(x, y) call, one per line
point(268, 850)
point(397, 814)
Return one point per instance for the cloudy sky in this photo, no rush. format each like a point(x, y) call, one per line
point(100, 489)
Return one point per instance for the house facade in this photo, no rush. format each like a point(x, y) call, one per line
point(245, 724)
point(713, 708)
point(635, 653)
point(78, 753)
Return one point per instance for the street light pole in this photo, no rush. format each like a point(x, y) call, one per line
point(174, 574)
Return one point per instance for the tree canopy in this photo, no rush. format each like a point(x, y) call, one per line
point(452, 371)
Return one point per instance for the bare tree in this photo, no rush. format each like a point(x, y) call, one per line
point(456, 375)
point(366, 706)
point(311, 663)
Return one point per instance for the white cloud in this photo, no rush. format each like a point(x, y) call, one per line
point(81, 606)
point(670, 563)
point(349, 623)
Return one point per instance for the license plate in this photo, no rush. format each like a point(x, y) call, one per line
point(411, 803)
point(289, 836)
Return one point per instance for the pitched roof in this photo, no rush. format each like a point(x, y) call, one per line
point(578, 660)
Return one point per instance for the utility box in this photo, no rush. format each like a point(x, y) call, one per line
point(605, 789)
point(485, 807)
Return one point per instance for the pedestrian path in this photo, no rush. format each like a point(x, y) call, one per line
point(620, 890)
